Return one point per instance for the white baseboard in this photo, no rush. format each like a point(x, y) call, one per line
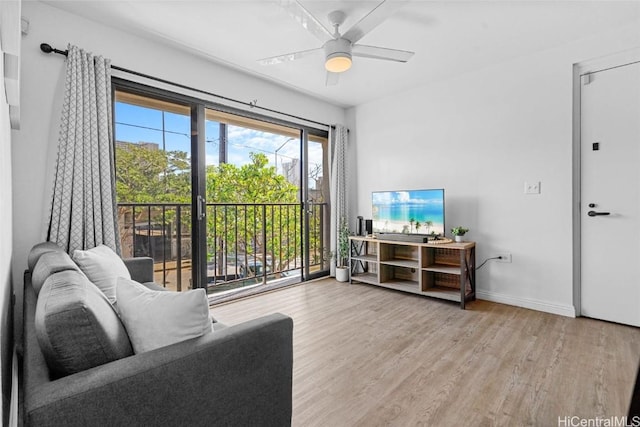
point(562, 310)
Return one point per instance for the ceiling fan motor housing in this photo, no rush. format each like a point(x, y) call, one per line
point(338, 55)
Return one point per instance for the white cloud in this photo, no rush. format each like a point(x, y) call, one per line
point(403, 196)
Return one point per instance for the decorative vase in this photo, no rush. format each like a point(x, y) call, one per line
point(459, 239)
point(342, 274)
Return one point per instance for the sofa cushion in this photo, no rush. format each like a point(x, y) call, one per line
point(155, 319)
point(50, 263)
point(157, 287)
point(103, 267)
point(39, 249)
point(76, 326)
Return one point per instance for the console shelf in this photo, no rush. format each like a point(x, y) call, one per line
point(442, 268)
point(366, 278)
point(366, 257)
point(407, 263)
point(443, 293)
point(445, 271)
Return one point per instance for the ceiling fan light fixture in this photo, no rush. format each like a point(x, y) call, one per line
point(338, 62)
point(338, 55)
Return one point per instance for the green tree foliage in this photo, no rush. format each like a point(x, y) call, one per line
point(146, 175)
point(231, 224)
point(255, 182)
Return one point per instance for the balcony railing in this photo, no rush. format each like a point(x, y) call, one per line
point(247, 244)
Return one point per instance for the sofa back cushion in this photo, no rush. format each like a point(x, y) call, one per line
point(50, 263)
point(76, 326)
point(38, 250)
point(156, 319)
point(103, 267)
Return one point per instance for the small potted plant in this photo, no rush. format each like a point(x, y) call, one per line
point(458, 232)
point(342, 258)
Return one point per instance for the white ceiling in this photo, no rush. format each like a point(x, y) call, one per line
point(449, 37)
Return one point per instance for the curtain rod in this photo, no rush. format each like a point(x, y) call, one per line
point(46, 48)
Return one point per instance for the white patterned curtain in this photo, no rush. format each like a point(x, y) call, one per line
point(83, 211)
point(338, 190)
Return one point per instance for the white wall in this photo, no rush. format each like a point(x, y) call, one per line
point(6, 251)
point(481, 136)
point(42, 87)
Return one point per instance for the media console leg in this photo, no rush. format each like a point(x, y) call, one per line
point(463, 278)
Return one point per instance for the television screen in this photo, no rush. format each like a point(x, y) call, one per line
point(411, 211)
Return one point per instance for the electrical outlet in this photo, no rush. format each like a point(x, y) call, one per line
point(532, 187)
point(504, 257)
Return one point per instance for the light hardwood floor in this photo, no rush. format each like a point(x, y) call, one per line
point(367, 356)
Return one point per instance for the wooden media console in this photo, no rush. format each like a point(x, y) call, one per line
point(446, 271)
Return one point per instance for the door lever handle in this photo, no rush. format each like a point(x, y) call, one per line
point(201, 207)
point(594, 213)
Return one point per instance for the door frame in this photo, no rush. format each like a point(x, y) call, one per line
point(581, 69)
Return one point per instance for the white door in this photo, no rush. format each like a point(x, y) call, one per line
point(610, 194)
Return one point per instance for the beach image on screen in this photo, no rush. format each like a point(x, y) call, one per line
point(413, 211)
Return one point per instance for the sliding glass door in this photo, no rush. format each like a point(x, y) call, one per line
point(232, 203)
point(259, 210)
point(153, 184)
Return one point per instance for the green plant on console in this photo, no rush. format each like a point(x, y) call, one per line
point(459, 231)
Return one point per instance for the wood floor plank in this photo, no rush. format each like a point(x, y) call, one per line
point(367, 356)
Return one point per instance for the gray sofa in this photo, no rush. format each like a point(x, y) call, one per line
point(236, 376)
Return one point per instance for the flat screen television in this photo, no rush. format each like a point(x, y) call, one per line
point(408, 211)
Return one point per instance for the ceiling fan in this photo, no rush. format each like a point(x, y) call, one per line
point(340, 48)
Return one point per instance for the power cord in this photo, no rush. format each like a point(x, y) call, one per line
point(487, 260)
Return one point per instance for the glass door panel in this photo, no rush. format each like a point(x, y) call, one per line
point(153, 184)
point(254, 221)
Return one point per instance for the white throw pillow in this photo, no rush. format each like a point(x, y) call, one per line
point(155, 319)
point(103, 267)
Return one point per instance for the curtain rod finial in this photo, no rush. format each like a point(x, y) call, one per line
point(46, 48)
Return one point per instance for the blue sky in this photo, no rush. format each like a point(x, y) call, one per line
point(138, 124)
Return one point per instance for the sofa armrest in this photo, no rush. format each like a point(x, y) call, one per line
point(240, 375)
point(140, 268)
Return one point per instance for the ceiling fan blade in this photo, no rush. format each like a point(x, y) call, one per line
point(306, 19)
point(332, 78)
point(373, 19)
point(288, 57)
point(381, 53)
